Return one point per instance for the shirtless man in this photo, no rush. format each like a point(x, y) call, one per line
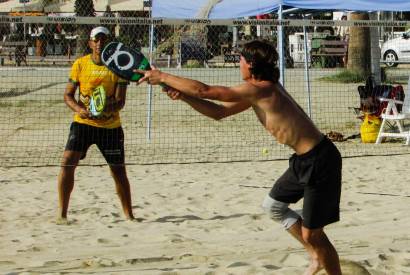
point(314, 171)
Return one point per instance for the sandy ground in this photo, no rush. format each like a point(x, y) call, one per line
point(196, 219)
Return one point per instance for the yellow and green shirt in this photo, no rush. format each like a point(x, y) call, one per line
point(88, 76)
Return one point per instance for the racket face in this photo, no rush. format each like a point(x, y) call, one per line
point(123, 60)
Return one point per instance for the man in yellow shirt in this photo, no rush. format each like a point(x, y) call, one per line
point(105, 131)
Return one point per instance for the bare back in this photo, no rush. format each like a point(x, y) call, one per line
point(282, 117)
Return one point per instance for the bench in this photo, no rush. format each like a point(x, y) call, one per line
point(16, 50)
point(223, 60)
point(164, 61)
point(329, 53)
point(232, 58)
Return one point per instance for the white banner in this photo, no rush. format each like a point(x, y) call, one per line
point(225, 22)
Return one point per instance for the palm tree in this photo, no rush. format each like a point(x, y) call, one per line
point(83, 8)
point(359, 46)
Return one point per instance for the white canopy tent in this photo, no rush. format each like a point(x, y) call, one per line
point(99, 6)
point(227, 9)
point(17, 5)
point(68, 6)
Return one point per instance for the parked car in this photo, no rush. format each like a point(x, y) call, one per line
point(396, 50)
point(192, 49)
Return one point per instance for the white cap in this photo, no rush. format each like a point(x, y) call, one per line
point(97, 30)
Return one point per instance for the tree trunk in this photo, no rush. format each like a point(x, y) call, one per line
point(359, 46)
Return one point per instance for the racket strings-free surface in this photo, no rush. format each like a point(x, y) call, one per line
point(123, 60)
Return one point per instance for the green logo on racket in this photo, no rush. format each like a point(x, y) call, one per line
point(144, 65)
point(98, 101)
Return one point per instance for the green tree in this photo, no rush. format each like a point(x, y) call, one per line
point(83, 8)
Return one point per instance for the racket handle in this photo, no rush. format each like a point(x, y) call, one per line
point(164, 86)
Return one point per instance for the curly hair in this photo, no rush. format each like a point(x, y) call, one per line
point(263, 57)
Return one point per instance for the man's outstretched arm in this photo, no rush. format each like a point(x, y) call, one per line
point(191, 87)
point(209, 108)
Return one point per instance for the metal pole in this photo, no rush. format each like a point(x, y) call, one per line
point(281, 52)
point(24, 24)
point(307, 77)
point(149, 96)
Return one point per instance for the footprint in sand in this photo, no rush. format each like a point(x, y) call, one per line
point(30, 249)
point(135, 261)
point(237, 264)
point(238, 268)
point(99, 262)
point(115, 215)
point(103, 241)
point(350, 268)
point(160, 195)
point(404, 262)
point(51, 263)
point(2, 263)
point(195, 258)
point(293, 259)
point(271, 267)
point(61, 221)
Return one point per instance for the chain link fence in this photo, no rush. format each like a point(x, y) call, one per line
point(34, 121)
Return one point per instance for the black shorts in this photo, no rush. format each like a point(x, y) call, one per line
point(110, 142)
point(317, 177)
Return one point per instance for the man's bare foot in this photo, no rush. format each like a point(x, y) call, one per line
point(135, 219)
point(62, 221)
point(313, 268)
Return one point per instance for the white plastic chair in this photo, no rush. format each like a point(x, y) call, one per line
point(391, 116)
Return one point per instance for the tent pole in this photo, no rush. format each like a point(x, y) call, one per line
point(24, 24)
point(234, 36)
point(307, 77)
point(280, 46)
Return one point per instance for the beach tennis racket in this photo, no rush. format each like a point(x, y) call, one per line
point(123, 60)
point(98, 101)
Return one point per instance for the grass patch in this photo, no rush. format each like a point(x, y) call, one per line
point(395, 81)
point(6, 104)
point(390, 76)
point(25, 103)
point(351, 124)
point(345, 76)
point(193, 64)
point(29, 103)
